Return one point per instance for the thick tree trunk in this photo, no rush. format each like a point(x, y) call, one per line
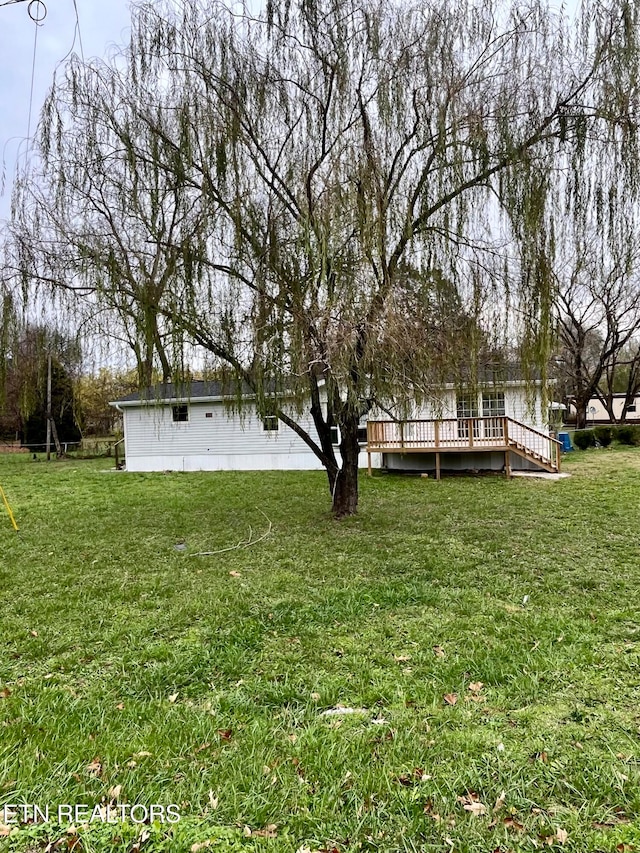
point(345, 487)
point(581, 415)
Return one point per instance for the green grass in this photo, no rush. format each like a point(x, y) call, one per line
point(125, 662)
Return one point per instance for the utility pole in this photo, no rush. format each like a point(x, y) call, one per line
point(49, 408)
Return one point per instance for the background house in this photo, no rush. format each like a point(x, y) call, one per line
point(597, 412)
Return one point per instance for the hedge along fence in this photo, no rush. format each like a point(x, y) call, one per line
point(602, 436)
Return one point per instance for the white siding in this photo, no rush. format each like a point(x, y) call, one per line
point(519, 405)
point(226, 441)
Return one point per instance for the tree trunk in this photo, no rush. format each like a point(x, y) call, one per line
point(581, 415)
point(345, 487)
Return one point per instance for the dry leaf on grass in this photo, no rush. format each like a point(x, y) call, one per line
point(144, 836)
point(95, 768)
point(236, 574)
point(561, 835)
point(4, 830)
point(476, 809)
point(500, 801)
point(476, 686)
point(200, 845)
point(173, 697)
point(471, 803)
point(213, 800)
point(450, 698)
point(5, 693)
point(114, 793)
point(270, 831)
point(439, 652)
point(225, 734)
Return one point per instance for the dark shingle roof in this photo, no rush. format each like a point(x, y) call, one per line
point(186, 391)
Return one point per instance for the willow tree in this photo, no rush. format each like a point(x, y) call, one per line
point(343, 157)
point(95, 222)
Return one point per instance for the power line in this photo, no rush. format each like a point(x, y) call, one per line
point(31, 3)
point(33, 76)
point(38, 16)
point(75, 6)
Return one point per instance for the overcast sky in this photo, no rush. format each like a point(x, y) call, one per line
point(103, 24)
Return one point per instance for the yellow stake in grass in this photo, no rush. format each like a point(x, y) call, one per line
point(6, 503)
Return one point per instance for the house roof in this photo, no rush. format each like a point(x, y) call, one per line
point(187, 392)
point(205, 391)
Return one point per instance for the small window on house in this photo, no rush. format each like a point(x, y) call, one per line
point(208, 414)
point(180, 414)
point(631, 408)
point(270, 423)
point(493, 404)
point(362, 435)
point(335, 436)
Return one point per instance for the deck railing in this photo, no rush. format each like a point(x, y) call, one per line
point(494, 433)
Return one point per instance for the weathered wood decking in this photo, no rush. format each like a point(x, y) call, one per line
point(461, 435)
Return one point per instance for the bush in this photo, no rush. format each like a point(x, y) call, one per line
point(603, 435)
point(584, 438)
point(628, 434)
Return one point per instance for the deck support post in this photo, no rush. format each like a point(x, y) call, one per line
point(437, 466)
point(507, 464)
point(369, 462)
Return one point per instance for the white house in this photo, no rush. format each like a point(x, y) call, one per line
point(498, 427)
point(195, 429)
point(597, 412)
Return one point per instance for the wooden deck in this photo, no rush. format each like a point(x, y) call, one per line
point(464, 435)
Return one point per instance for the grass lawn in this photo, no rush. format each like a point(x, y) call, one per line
point(135, 673)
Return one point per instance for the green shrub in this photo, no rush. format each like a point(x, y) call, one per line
point(603, 435)
point(584, 438)
point(628, 434)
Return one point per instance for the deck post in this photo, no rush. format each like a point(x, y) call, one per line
point(471, 424)
point(507, 464)
point(437, 466)
point(369, 462)
point(436, 433)
point(402, 435)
